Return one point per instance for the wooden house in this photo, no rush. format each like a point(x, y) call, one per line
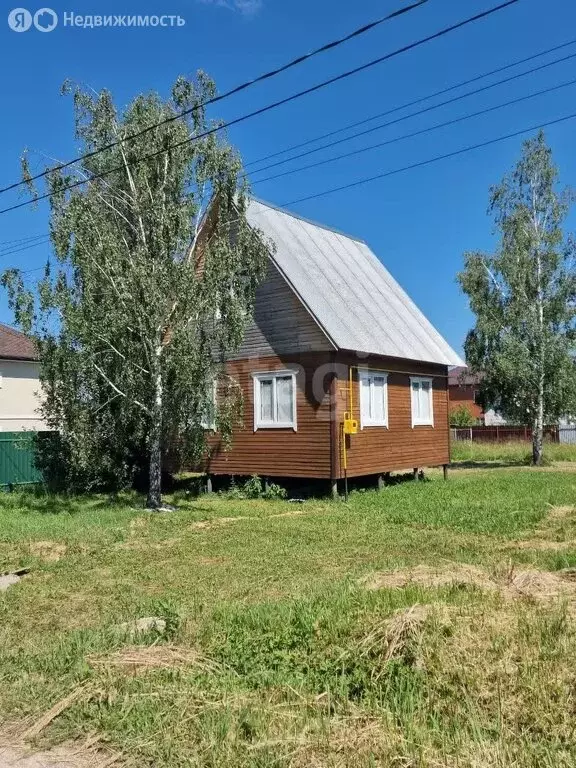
point(341, 374)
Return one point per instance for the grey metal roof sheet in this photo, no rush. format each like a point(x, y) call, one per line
point(348, 290)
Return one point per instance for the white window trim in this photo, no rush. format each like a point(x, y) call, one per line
point(257, 377)
point(364, 373)
point(422, 422)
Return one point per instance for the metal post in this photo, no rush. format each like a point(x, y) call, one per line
point(334, 489)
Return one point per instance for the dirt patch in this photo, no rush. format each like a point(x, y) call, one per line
point(212, 561)
point(143, 544)
point(138, 522)
point(512, 585)
point(542, 545)
point(429, 576)
point(139, 659)
point(67, 756)
point(216, 522)
point(561, 513)
point(50, 551)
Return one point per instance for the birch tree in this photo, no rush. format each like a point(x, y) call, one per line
point(524, 299)
point(151, 286)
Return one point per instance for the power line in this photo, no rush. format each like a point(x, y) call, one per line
point(249, 83)
point(413, 166)
point(26, 247)
point(431, 108)
point(410, 103)
point(19, 241)
point(418, 133)
point(275, 104)
point(430, 161)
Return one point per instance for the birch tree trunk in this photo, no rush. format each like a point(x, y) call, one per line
point(154, 500)
point(538, 428)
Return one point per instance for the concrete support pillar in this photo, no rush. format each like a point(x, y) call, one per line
point(415, 471)
point(334, 489)
point(208, 483)
point(381, 482)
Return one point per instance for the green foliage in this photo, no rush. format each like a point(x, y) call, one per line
point(274, 491)
point(524, 298)
point(151, 287)
point(462, 417)
point(254, 488)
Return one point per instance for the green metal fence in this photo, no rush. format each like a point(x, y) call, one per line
point(17, 459)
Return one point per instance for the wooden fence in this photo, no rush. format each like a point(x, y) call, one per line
point(506, 434)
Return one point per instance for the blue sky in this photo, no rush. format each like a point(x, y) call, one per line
point(420, 222)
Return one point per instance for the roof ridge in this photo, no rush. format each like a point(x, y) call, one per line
point(319, 224)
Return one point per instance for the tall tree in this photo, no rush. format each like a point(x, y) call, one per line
point(153, 285)
point(524, 298)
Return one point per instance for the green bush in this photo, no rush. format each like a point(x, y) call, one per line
point(462, 417)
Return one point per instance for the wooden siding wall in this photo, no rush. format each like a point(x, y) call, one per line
point(282, 452)
point(281, 325)
point(400, 446)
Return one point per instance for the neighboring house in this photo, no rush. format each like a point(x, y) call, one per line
point(464, 387)
point(331, 325)
point(19, 384)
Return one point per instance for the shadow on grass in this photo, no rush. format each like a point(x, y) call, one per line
point(471, 464)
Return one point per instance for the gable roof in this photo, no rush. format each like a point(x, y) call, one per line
point(15, 345)
point(347, 289)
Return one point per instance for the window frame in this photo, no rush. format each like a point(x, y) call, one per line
point(371, 374)
point(260, 376)
point(420, 380)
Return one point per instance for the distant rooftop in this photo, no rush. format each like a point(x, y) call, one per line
point(14, 345)
point(461, 376)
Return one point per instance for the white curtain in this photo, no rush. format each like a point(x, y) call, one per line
point(365, 399)
point(378, 409)
point(284, 397)
point(266, 400)
point(425, 400)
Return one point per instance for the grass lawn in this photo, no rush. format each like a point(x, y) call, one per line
point(513, 452)
point(277, 651)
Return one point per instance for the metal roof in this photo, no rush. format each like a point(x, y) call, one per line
point(352, 296)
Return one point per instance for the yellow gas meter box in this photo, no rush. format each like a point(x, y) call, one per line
point(350, 425)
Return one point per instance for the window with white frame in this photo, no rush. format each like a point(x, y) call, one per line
point(208, 421)
point(422, 411)
point(275, 400)
point(373, 398)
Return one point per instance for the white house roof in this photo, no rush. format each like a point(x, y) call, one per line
point(348, 290)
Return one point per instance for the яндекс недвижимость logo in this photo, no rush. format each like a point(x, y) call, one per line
point(21, 20)
point(46, 19)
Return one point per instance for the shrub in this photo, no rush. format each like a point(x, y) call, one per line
point(462, 417)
